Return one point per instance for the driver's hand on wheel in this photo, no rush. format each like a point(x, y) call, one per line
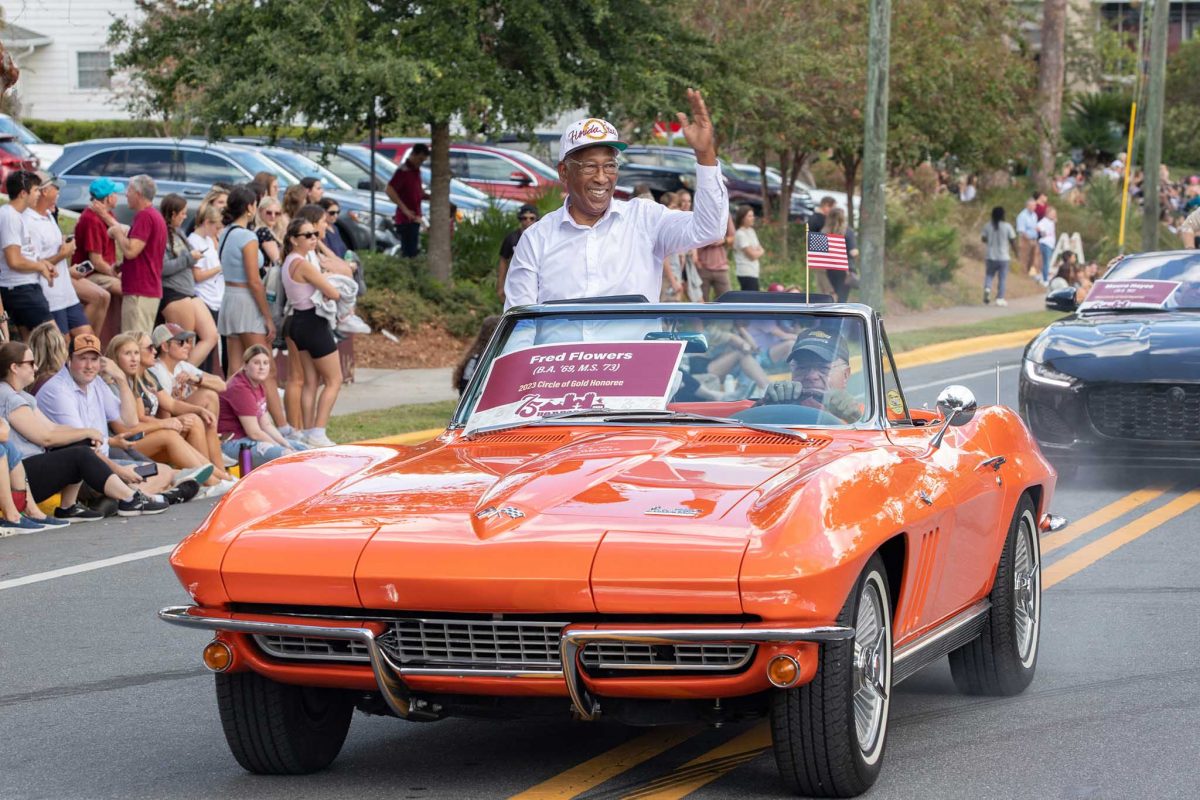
point(784, 392)
point(843, 405)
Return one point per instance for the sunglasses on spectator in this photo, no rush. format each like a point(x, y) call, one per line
point(28, 361)
point(309, 235)
point(332, 212)
point(271, 213)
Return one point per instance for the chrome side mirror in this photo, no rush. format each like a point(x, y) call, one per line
point(957, 404)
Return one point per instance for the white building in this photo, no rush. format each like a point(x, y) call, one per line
point(61, 48)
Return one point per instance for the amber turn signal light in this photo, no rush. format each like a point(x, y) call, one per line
point(783, 671)
point(217, 656)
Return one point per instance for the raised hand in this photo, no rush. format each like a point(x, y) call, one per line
point(698, 132)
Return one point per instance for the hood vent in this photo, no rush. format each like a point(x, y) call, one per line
point(520, 438)
point(754, 438)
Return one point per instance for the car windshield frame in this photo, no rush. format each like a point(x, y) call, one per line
point(281, 155)
point(872, 418)
point(255, 162)
point(1146, 262)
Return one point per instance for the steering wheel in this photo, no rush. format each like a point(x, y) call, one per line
point(787, 414)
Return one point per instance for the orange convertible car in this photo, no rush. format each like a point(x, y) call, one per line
point(654, 513)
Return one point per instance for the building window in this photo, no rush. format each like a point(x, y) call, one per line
point(93, 70)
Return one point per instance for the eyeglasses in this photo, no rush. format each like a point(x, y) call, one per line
point(309, 235)
point(271, 213)
point(592, 168)
point(332, 212)
point(526, 217)
point(28, 361)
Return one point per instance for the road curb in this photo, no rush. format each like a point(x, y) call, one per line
point(947, 351)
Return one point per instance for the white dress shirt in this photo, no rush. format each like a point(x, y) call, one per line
point(559, 259)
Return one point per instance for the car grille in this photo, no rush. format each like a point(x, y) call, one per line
point(1048, 425)
point(1160, 411)
point(311, 648)
point(701, 657)
point(465, 645)
point(474, 644)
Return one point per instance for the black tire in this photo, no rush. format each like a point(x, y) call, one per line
point(1003, 659)
point(278, 729)
point(813, 728)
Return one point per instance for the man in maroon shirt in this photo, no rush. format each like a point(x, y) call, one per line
point(94, 245)
point(144, 246)
point(406, 191)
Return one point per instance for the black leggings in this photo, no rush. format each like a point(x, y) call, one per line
point(50, 472)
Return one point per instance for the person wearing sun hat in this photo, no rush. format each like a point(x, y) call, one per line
point(595, 245)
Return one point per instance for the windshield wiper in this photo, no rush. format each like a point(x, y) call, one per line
point(653, 415)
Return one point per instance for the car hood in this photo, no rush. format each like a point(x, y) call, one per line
point(557, 519)
point(1122, 347)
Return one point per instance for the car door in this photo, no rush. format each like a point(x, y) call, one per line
point(498, 176)
point(966, 488)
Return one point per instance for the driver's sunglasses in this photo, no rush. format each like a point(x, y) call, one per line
point(592, 168)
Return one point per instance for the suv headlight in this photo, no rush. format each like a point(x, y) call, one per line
point(1048, 376)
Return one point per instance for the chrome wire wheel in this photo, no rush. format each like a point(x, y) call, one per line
point(872, 675)
point(1027, 589)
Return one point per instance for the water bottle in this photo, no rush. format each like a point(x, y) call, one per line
point(245, 458)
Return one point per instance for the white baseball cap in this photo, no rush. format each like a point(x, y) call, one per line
point(588, 133)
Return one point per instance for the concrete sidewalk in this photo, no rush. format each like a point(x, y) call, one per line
point(375, 389)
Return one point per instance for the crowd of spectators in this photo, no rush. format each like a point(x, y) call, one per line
point(186, 384)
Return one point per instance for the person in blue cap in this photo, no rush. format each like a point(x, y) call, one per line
point(92, 242)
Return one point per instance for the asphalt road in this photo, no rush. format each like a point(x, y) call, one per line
point(100, 700)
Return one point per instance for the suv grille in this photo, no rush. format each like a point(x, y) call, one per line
point(1162, 411)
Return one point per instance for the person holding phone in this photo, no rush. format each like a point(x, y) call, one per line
point(58, 459)
point(98, 283)
point(76, 397)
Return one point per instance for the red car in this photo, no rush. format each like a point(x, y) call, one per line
point(499, 172)
point(15, 156)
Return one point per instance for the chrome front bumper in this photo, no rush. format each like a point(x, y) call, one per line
point(389, 675)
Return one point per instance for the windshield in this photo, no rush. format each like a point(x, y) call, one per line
point(303, 167)
point(775, 368)
point(254, 162)
point(1155, 281)
point(535, 164)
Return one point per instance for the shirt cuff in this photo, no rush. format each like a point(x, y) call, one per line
point(708, 176)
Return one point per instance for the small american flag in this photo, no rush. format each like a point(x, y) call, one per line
point(826, 251)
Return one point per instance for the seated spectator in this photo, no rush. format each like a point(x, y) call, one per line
point(20, 269)
point(46, 240)
point(333, 237)
point(177, 441)
point(270, 229)
point(75, 398)
point(179, 302)
point(314, 190)
point(49, 348)
point(244, 418)
point(182, 387)
point(17, 514)
point(59, 458)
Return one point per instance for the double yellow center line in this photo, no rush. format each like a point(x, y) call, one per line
point(747, 746)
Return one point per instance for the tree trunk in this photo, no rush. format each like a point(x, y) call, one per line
point(849, 162)
point(786, 170)
point(1154, 125)
point(439, 203)
point(1051, 70)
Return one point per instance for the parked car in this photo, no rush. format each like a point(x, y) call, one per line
point(14, 156)
point(812, 196)
point(495, 170)
point(602, 533)
point(46, 153)
point(189, 167)
point(1118, 381)
point(741, 188)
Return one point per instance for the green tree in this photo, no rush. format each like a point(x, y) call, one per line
point(488, 65)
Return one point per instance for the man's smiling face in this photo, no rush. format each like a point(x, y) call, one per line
point(590, 177)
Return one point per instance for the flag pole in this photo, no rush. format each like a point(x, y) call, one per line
point(1125, 182)
point(805, 261)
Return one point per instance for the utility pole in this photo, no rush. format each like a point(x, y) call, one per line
point(875, 154)
point(1154, 123)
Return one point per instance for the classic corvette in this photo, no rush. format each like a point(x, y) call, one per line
point(1119, 380)
point(608, 528)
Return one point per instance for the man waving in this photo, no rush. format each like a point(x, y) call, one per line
point(594, 246)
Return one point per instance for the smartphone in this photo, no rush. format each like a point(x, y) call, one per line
point(133, 437)
point(84, 268)
point(148, 470)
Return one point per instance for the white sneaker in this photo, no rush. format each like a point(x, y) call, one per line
point(228, 461)
point(1001, 301)
point(218, 489)
point(318, 440)
point(353, 324)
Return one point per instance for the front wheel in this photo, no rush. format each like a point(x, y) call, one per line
point(279, 729)
point(1002, 660)
point(829, 735)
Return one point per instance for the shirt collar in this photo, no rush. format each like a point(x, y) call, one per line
point(615, 208)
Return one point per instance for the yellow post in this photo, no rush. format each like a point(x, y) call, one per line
point(1125, 183)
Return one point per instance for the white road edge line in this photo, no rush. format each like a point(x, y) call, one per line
point(38, 577)
point(158, 551)
point(953, 378)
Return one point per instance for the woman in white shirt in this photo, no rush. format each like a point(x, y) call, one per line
point(210, 280)
point(1047, 229)
point(746, 249)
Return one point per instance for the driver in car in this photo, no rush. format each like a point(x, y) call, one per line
point(820, 364)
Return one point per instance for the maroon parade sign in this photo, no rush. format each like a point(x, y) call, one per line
point(548, 379)
point(1128, 294)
